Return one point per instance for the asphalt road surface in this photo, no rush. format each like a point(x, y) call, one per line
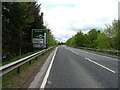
point(75, 68)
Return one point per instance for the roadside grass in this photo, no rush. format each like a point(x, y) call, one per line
point(19, 57)
point(11, 79)
point(102, 52)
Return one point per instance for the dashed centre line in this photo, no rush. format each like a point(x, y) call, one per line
point(100, 65)
point(96, 63)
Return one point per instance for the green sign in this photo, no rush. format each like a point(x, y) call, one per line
point(39, 38)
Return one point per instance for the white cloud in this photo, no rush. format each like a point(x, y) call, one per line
point(65, 15)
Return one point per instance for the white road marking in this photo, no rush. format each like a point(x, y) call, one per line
point(76, 53)
point(100, 65)
point(48, 71)
point(73, 52)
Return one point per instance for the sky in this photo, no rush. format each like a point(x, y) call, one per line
point(66, 17)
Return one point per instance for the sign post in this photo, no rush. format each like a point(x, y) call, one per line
point(39, 38)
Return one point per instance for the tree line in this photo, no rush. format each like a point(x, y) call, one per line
point(18, 20)
point(109, 38)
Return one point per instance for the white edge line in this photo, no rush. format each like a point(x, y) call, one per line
point(100, 65)
point(48, 71)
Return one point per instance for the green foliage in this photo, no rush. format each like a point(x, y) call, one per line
point(79, 39)
point(18, 20)
point(61, 43)
point(19, 57)
point(112, 35)
point(51, 39)
point(102, 41)
point(14, 19)
point(107, 39)
point(71, 41)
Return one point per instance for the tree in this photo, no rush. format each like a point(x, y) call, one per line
point(79, 39)
point(51, 39)
point(18, 20)
point(109, 38)
point(92, 37)
point(112, 34)
point(102, 41)
point(14, 19)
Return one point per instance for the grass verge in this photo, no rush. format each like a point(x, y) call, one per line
point(17, 80)
point(18, 57)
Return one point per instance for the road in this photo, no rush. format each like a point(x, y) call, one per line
point(75, 68)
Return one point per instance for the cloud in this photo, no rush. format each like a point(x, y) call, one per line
point(65, 17)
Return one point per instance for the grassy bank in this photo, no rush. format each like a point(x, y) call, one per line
point(27, 70)
point(18, 57)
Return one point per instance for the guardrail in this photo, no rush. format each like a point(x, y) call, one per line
point(101, 50)
point(9, 67)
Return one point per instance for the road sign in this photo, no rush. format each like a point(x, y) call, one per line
point(39, 45)
point(39, 38)
point(36, 40)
